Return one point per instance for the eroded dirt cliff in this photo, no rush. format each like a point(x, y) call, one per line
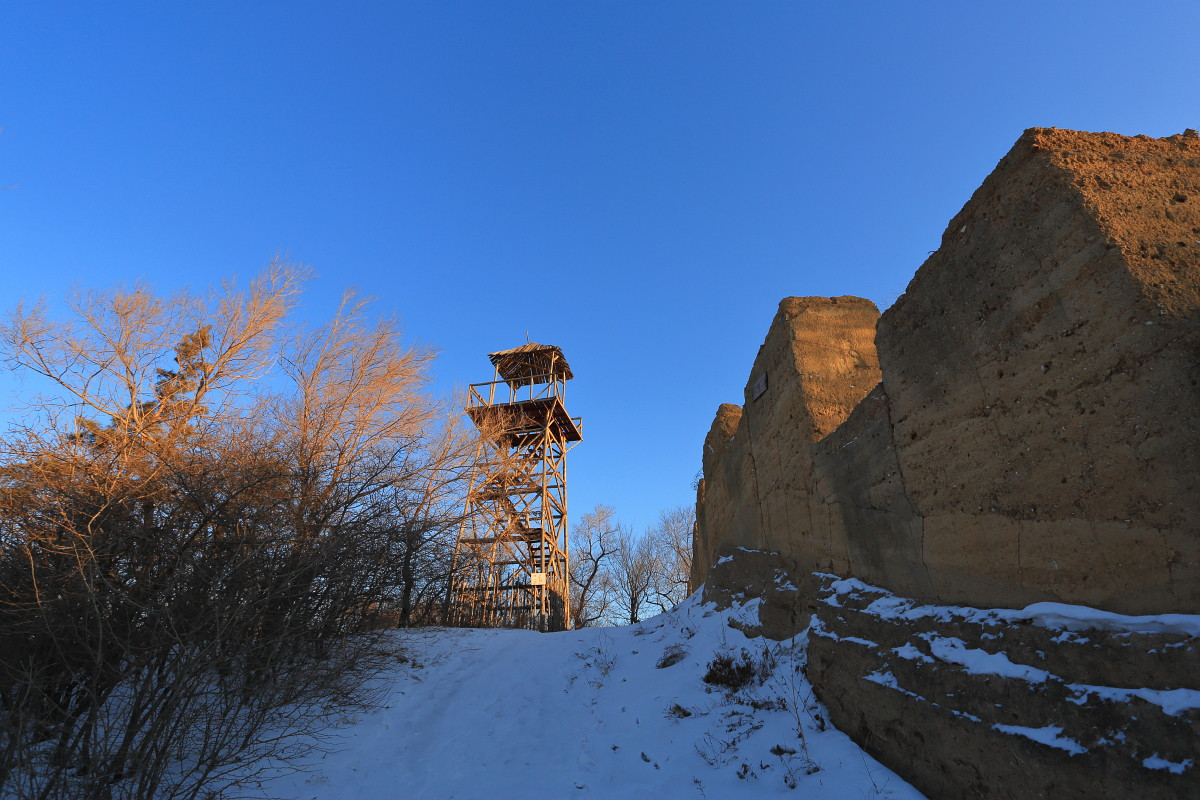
point(817, 363)
point(1022, 426)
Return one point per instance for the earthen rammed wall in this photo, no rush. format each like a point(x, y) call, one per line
point(1022, 425)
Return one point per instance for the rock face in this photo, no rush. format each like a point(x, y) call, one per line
point(817, 363)
point(1042, 372)
point(1022, 425)
point(1029, 426)
point(964, 703)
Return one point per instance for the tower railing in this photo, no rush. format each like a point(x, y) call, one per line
point(539, 388)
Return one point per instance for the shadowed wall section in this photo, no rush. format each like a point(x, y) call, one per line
point(757, 492)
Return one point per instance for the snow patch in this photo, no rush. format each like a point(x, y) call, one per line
point(1154, 762)
point(1172, 701)
point(911, 653)
point(1049, 735)
point(884, 678)
point(981, 662)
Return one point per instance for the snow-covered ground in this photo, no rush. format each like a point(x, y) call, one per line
point(598, 713)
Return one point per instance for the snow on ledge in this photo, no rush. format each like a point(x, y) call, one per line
point(1084, 618)
point(1060, 616)
point(1050, 735)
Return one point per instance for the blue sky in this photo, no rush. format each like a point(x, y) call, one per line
point(638, 183)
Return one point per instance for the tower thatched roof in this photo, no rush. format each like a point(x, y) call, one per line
point(531, 363)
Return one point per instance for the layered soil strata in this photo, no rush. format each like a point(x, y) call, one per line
point(965, 703)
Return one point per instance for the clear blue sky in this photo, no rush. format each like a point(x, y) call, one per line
point(638, 183)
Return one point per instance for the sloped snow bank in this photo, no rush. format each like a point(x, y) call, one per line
point(597, 713)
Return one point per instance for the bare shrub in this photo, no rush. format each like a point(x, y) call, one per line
point(192, 555)
point(734, 673)
point(672, 655)
point(730, 672)
point(676, 711)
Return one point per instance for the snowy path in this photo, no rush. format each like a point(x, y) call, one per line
point(588, 714)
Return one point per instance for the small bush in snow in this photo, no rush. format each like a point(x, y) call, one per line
point(678, 712)
point(672, 655)
point(731, 673)
point(734, 673)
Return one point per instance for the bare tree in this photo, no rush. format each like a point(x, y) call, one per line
point(594, 545)
point(616, 577)
point(189, 555)
point(633, 572)
point(428, 517)
point(671, 540)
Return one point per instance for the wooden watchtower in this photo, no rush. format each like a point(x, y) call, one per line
point(512, 554)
